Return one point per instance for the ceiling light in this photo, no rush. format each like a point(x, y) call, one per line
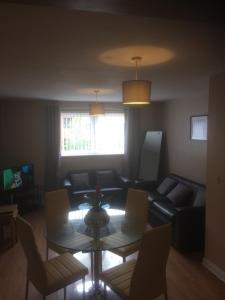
point(136, 92)
point(96, 108)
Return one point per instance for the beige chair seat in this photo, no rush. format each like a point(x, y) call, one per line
point(127, 250)
point(58, 249)
point(62, 271)
point(119, 278)
point(130, 249)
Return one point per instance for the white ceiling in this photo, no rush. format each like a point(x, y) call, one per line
point(51, 54)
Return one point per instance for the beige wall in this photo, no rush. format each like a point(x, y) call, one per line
point(23, 136)
point(215, 206)
point(91, 162)
point(185, 157)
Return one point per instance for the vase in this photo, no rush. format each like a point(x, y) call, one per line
point(96, 218)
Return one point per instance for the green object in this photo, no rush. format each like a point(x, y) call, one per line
point(8, 178)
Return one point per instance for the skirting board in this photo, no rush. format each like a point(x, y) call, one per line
point(219, 273)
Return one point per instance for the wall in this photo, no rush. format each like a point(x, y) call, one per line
point(23, 136)
point(215, 205)
point(185, 157)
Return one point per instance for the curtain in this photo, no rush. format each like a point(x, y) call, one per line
point(52, 164)
point(132, 143)
point(1, 136)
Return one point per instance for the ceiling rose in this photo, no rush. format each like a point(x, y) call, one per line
point(87, 91)
point(151, 55)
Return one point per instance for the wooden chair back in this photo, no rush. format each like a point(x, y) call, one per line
point(137, 208)
point(35, 267)
point(149, 277)
point(57, 207)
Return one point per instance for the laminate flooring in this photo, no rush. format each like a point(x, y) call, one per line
point(186, 277)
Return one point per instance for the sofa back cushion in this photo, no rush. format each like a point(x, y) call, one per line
point(166, 186)
point(80, 181)
point(180, 195)
point(105, 178)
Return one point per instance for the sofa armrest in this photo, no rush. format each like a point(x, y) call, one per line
point(67, 184)
point(124, 181)
point(145, 185)
point(189, 229)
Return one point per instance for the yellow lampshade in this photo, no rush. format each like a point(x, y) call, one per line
point(96, 109)
point(136, 92)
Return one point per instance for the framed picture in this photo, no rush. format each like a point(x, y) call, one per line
point(199, 125)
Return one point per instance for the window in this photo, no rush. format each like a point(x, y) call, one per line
point(82, 134)
point(199, 128)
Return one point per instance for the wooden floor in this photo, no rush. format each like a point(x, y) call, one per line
point(187, 278)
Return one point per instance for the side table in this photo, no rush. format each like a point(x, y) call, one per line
point(8, 236)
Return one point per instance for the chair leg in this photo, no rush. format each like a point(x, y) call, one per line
point(46, 252)
point(44, 298)
point(83, 282)
point(105, 291)
point(100, 262)
point(92, 267)
point(124, 259)
point(64, 293)
point(166, 294)
point(27, 289)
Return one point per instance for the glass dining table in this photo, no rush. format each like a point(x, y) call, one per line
point(121, 230)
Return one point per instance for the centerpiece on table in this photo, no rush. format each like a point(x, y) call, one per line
point(97, 216)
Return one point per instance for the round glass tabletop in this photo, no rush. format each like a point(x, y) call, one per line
point(77, 236)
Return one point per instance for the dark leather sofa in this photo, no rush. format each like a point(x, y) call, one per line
point(181, 202)
point(83, 182)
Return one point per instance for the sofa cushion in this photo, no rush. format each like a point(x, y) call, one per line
point(166, 186)
point(80, 181)
point(105, 179)
point(180, 195)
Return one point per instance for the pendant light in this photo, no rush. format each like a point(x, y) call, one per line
point(136, 92)
point(96, 108)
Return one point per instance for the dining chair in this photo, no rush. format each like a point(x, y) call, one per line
point(51, 275)
point(137, 212)
point(57, 207)
point(144, 278)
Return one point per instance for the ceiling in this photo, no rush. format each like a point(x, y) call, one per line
point(53, 53)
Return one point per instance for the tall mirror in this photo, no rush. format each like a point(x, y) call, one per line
point(150, 156)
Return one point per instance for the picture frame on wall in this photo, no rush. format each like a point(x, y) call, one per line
point(199, 127)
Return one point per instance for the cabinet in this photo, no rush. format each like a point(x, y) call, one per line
point(25, 199)
point(8, 236)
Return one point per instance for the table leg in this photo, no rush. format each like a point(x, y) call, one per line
point(97, 292)
point(97, 267)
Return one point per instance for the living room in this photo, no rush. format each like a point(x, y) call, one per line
point(25, 101)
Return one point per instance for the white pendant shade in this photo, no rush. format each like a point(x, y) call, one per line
point(136, 92)
point(96, 109)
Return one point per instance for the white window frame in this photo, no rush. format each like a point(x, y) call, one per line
point(93, 123)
